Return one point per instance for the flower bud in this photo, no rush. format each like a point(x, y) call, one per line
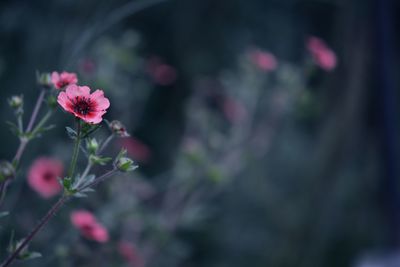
point(44, 79)
point(92, 146)
point(16, 101)
point(7, 170)
point(118, 128)
point(125, 164)
point(52, 101)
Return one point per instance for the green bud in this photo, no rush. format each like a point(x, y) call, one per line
point(52, 101)
point(125, 164)
point(92, 146)
point(7, 170)
point(44, 79)
point(16, 101)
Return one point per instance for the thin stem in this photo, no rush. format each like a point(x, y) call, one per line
point(105, 143)
point(99, 179)
point(42, 122)
point(89, 163)
point(75, 153)
point(53, 210)
point(21, 148)
point(38, 227)
point(36, 110)
point(20, 124)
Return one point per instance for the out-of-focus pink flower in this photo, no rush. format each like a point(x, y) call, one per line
point(87, 66)
point(160, 72)
point(136, 149)
point(265, 61)
point(88, 226)
point(43, 176)
point(88, 107)
point(322, 55)
point(233, 110)
point(63, 79)
point(130, 253)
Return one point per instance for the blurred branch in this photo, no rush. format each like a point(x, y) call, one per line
point(116, 16)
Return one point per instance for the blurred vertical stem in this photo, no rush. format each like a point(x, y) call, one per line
point(75, 153)
point(24, 140)
point(36, 110)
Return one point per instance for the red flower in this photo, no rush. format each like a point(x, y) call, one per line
point(62, 80)
point(322, 55)
point(43, 176)
point(88, 226)
point(88, 107)
point(265, 61)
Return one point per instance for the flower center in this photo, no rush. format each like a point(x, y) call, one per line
point(82, 105)
point(47, 176)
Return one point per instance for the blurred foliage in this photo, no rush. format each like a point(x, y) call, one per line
point(238, 166)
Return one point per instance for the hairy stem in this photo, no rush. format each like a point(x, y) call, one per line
point(36, 110)
point(53, 210)
point(38, 227)
point(42, 122)
point(75, 153)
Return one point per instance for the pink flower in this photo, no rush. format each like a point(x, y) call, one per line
point(322, 55)
point(62, 80)
point(88, 107)
point(265, 61)
point(136, 149)
point(130, 253)
point(160, 72)
point(43, 176)
point(88, 226)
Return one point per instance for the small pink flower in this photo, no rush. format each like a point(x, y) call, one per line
point(322, 55)
point(160, 72)
point(88, 226)
point(136, 149)
point(64, 79)
point(265, 61)
point(43, 176)
point(88, 107)
point(130, 253)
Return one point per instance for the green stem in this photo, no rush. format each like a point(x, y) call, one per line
point(42, 122)
point(76, 150)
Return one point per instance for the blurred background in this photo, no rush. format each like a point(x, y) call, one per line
point(266, 131)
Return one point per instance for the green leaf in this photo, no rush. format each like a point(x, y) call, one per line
point(88, 129)
point(29, 255)
point(71, 133)
point(14, 128)
point(99, 160)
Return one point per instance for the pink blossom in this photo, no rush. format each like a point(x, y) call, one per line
point(130, 253)
point(160, 72)
point(265, 61)
point(322, 55)
point(88, 226)
point(88, 107)
point(43, 176)
point(136, 149)
point(64, 79)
